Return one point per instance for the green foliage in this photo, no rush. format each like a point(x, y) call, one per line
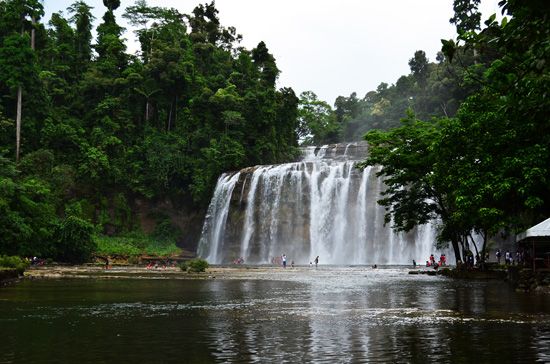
point(26, 213)
point(124, 246)
point(15, 68)
point(317, 123)
point(100, 133)
point(133, 260)
point(487, 169)
point(194, 265)
point(197, 265)
point(134, 244)
point(73, 240)
point(164, 230)
point(14, 262)
point(466, 17)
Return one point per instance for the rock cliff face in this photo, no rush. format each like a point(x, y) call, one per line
point(322, 205)
point(187, 219)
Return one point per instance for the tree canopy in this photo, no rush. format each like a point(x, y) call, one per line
point(87, 129)
point(486, 170)
point(101, 127)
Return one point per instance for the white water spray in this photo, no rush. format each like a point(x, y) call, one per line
point(322, 205)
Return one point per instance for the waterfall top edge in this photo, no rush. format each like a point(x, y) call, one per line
point(340, 151)
point(329, 153)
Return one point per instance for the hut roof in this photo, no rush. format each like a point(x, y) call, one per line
point(539, 232)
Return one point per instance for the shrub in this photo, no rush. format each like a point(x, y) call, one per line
point(165, 231)
point(183, 266)
point(134, 243)
point(133, 259)
point(14, 262)
point(197, 265)
point(74, 241)
point(107, 245)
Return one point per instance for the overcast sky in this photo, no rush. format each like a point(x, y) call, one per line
point(330, 47)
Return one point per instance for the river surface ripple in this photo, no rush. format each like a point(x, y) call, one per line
point(325, 315)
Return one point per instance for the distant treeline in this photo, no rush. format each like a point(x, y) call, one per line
point(432, 89)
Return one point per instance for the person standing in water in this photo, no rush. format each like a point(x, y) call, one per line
point(316, 261)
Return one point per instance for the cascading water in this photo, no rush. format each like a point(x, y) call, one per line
point(217, 211)
point(321, 206)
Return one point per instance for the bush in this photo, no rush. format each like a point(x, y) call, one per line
point(74, 243)
point(14, 262)
point(133, 260)
point(197, 265)
point(165, 231)
point(117, 246)
point(183, 266)
point(135, 243)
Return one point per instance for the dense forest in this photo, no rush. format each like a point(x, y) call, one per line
point(432, 89)
point(87, 129)
point(482, 168)
point(92, 138)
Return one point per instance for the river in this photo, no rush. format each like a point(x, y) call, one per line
point(303, 315)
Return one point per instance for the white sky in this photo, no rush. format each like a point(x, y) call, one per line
point(330, 47)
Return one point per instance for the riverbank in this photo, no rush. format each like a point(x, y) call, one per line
point(522, 279)
point(141, 272)
point(8, 275)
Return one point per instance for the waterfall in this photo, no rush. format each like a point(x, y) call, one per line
point(322, 205)
point(213, 236)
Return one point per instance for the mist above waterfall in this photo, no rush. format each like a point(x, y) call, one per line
point(320, 206)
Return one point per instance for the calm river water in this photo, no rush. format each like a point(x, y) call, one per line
point(329, 315)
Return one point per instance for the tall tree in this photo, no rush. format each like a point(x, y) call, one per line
point(81, 16)
point(466, 16)
point(317, 122)
point(419, 67)
point(23, 15)
point(487, 169)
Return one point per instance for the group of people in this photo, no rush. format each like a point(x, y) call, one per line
point(239, 260)
point(521, 257)
point(282, 261)
point(472, 260)
point(36, 261)
point(160, 265)
point(432, 263)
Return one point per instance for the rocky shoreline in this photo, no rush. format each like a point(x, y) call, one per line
point(521, 278)
point(141, 272)
point(8, 275)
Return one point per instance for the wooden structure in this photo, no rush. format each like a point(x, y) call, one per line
point(537, 239)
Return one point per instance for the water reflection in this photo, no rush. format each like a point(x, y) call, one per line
point(327, 315)
point(367, 316)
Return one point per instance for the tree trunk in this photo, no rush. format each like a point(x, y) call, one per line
point(176, 109)
point(18, 122)
point(464, 257)
point(169, 118)
point(20, 99)
point(483, 250)
point(33, 33)
point(456, 249)
point(475, 246)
